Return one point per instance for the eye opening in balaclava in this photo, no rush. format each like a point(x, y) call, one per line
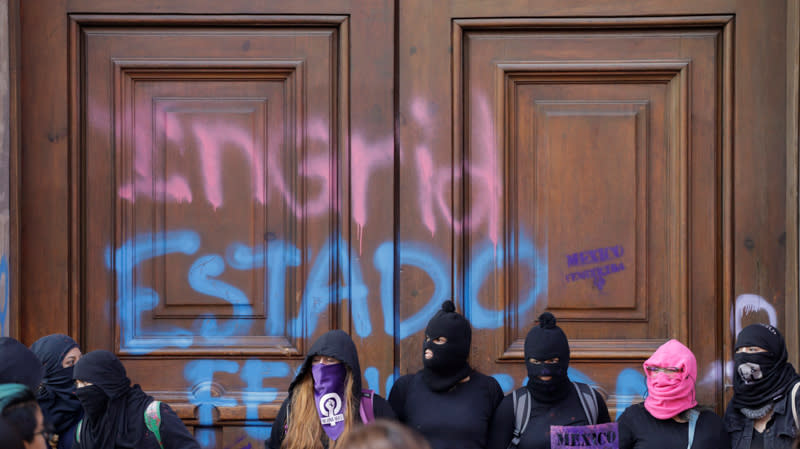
point(450, 362)
point(544, 342)
point(760, 378)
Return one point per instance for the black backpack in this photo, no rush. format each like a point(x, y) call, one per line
point(523, 403)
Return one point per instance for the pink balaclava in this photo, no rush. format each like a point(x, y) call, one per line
point(670, 394)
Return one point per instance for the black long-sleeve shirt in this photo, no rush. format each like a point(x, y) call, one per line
point(174, 433)
point(638, 429)
point(455, 419)
point(567, 412)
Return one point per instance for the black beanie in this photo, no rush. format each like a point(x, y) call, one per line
point(545, 342)
point(449, 363)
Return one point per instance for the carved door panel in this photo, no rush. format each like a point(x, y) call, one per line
point(581, 164)
point(216, 176)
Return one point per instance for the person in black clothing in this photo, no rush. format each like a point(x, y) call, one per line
point(554, 398)
point(20, 411)
point(325, 399)
point(670, 418)
point(56, 395)
point(764, 384)
point(447, 401)
point(19, 365)
point(115, 410)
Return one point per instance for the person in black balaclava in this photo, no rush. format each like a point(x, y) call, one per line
point(555, 400)
point(760, 412)
point(19, 365)
point(447, 401)
point(56, 395)
point(115, 410)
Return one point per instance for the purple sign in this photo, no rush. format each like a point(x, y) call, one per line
point(599, 436)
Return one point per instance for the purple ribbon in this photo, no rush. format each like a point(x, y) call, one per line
point(329, 397)
point(600, 436)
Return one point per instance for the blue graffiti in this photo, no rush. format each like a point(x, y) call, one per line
point(416, 255)
point(506, 382)
point(201, 276)
point(253, 373)
point(372, 378)
point(631, 385)
point(278, 256)
point(132, 299)
point(489, 257)
point(577, 376)
point(335, 275)
point(200, 373)
point(6, 296)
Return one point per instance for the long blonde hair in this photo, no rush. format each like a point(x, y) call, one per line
point(304, 428)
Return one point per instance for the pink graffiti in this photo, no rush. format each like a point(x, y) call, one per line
point(271, 165)
point(482, 167)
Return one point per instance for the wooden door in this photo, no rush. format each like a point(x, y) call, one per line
point(592, 161)
point(206, 187)
point(217, 193)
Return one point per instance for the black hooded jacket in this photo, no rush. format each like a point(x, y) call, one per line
point(120, 421)
point(19, 365)
point(56, 394)
point(339, 345)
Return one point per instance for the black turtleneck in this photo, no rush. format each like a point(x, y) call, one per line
point(566, 412)
point(458, 418)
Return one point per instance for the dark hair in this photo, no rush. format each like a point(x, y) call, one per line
point(9, 437)
point(20, 413)
point(384, 434)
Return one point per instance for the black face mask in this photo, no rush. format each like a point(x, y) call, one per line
point(545, 342)
point(449, 365)
point(760, 378)
point(94, 401)
point(552, 390)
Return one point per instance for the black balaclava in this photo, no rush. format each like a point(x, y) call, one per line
point(18, 365)
point(760, 379)
point(56, 395)
point(449, 363)
point(544, 342)
point(114, 408)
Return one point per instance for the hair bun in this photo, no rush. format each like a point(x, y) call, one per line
point(448, 306)
point(547, 321)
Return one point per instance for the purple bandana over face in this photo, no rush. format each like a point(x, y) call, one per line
point(329, 397)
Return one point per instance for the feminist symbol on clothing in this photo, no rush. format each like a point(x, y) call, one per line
point(329, 406)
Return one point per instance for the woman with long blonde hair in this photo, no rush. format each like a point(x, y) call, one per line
point(325, 399)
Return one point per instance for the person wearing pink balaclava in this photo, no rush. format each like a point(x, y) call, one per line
point(670, 418)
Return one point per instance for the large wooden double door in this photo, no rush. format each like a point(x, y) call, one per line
point(206, 187)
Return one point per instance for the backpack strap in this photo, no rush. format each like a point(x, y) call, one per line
point(693, 415)
point(78, 431)
point(367, 408)
point(152, 419)
point(794, 405)
point(522, 414)
point(588, 401)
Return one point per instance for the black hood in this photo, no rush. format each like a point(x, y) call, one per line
point(336, 344)
point(18, 364)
